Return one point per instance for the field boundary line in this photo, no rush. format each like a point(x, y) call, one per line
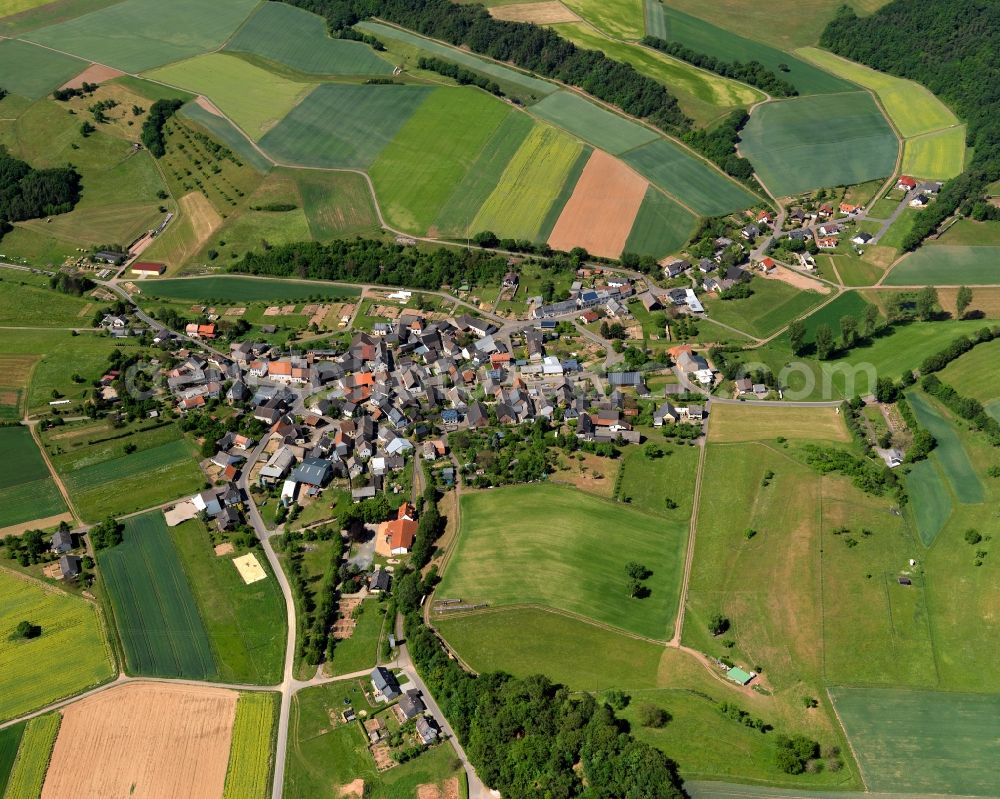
point(54, 474)
point(850, 743)
point(675, 640)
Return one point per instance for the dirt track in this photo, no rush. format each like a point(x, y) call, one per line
point(149, 740)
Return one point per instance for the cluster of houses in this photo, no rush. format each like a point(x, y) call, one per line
point(409, 707)
point(612, 298)
point(919, 192)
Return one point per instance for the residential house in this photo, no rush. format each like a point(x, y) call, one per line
point(427, 730)
point(906, 183)
point(861, 237)
point(384, 684)
point(676, 268)
point(665, 413)
point(379, 582)
point(70, 567)
point(62, 542)
point(277, 466)
point(410, 706)
point(396, 537)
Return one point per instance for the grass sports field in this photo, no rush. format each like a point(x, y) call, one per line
point(530, 184)
point(732, 423)
point(546, 554)
point(974, 374)
point(136, 35)
point(28, 773)
point(704, 37)
point(952, 265)
point(936, 156)
point(33, 71)
point(911, 107)
point(772, 305)
point(250, 754)
point(620, 18)
point(341, 125)
point(431, 154)
point(253, 98)
point(27, 491)
point(954, 754)
point(811, 142)
point(703, 96)
point(155, 611)
point(661, 227)
point(592, 123)
point(298, 39)
point(36, 672)
point(245, 289)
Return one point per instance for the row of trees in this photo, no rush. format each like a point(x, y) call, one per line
point(968, 408)
point(466, 77)
point(959, 60)
point(152, 129)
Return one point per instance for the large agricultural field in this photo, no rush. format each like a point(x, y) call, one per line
point(35, 672)
point(811, 142)
point(735, 423)
point(28, 773)
point(32, 71)
point(935, 156)
point(250, 761)
point(145, 739)
point(27, 490)
point(155, 612)
point(951, 265)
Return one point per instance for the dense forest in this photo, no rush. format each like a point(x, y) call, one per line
point(152, 128)
point(953, 48)
point(27, 193)
point(367, 261)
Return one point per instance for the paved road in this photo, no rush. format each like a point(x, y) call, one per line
point(894, 216)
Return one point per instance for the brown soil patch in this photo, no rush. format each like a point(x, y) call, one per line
point(224, 549)
point(446, 790)
point(95, 73)
point(599, 215)
point(593, 474)
point(986, 300)
point(9, 397)
point(548, 13)
point(356, 788)
point(382, 756)
point(16, 369)
point(797, 279)
point(205, 220)
point(208, 105)
point(153, 740)
point(37, 524)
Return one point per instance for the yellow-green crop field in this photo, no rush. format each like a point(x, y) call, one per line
point(249, 773)
point(69, 656)
point(33, 758)
point(936, 156)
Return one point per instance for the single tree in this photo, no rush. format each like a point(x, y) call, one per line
point(870, 321)
point(26, 629)
point(963, 300)
point(886, 390)
point(824, 342)
point(718, 624)
point(652, 716)
point(848, 331)
point(927, 300)
point(797, 336)
point(637, 571)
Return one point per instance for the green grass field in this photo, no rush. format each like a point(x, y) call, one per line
point(930, 499)
point(973, 374)
point(10, 740)
point(36, 672)
point(34, 305)
point(855, 271)
point(813, 142)
point(226, 133)
point(968, 231)
point(546, 554)
point(620, 18)
point(360, 651)
point(851, 303)
point(954, 754)
point(336, 204)
point(235, 288)
point(592, 123)
point(28, 774)
point(250, 755)
point(33, 71)
point(136, 35)
point(704, 37)
point(661, 227)
point(741, 422)
point(911, 107)
point(525, 641)
point(936, 156)
point(431, 154)
point(343, 125)
point(253, 98)
point(155, 611)
point(689, 179)
point(530, 185)
point(949, 452)
point(948, 265)
point(703, 96)
point(298, 39)
point(772, 305)
point(27, 490)
point(483, 177)
point(245, 623)
point(646, 483)
point(533, 86)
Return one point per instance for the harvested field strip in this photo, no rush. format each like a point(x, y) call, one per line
point(32, 71)
point(930, 499)
point(949, 452)
point(10, 739)
point(656, 19)
point(545, 13)
point(593, 124)
point(483, 177)
point(250, 756)
point(951, 265)
point(155, 612)
point(342, 125)
point(245, 289)
point(537, 88)
point(936, 156)
point(600, 213)
point(226, 133)
point(299, 39)
point(95, 73)
point(621, 18)
point(956, 753)
point(150, 740)
point(137, 35)
point(529, 185)
point(732, 423)
point(661, 227)
point(33, 758)
point(568, 187)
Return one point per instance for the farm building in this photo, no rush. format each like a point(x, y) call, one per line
point(143, 268)
point(740, 677)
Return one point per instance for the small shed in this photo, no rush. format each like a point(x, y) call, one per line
point(740, 677)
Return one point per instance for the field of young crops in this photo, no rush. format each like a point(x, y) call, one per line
point(32, 760)
point(27, 490)
point(250, 754)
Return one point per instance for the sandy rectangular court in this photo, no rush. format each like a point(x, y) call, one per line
point(546, 13)
point(249, 568)
point(149, 740)
point(602, 209)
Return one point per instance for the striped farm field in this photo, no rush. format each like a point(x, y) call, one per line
point(298, 39)
point(935, 156)
point(431, 154)
point(529, 185)
point(336, 204)
point(602, 209)
point(911, 107)
point(35, 672)
point(10, 740)
point(253, 98)
point(661, 227)
point(814, 142)
point(28, 774)
point(27, 490)
point(155, 612)
point(341, 125)
point(250, 754)
point(32, 71)
point(593, 124)
point(137, 35)
point(949, 265)
point(622, 19)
